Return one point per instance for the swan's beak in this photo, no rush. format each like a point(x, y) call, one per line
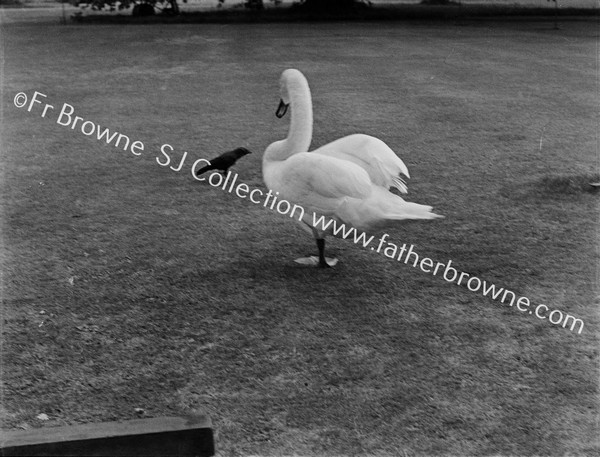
point(281, 109)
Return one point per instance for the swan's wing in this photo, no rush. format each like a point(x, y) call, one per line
point(321, 182)
point(373, 155)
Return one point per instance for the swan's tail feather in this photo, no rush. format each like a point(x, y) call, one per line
point(388, 206)
point(399, 184)
point(378, 213)
point(410, 211)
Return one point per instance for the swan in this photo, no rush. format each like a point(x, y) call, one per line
point(347, 180)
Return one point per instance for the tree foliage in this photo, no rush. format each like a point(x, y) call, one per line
point(149, 7)
point(140, 7)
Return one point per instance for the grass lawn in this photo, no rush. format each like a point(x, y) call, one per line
point(129, 285)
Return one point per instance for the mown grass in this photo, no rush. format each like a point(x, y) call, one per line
point(128, 285)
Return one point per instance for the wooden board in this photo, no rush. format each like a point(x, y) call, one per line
point(163, 436)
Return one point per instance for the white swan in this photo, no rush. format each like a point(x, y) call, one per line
point(347, 180)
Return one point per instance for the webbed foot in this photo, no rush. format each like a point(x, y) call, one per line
point(314, 261)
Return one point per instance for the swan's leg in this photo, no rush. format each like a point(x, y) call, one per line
point(322, 261)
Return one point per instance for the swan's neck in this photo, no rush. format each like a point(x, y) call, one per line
point(300, 133)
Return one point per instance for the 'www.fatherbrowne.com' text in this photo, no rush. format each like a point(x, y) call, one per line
point(449, 273)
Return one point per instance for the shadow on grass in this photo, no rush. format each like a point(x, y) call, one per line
point(569, 184)
point(556, 186)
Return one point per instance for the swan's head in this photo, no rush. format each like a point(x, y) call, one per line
point(291, 84)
